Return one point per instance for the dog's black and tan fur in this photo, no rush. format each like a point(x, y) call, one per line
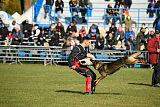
point(110, 68)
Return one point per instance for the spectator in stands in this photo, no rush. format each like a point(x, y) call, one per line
point(113, 29)
point(74, 8)
point(26, 28)
point(157, 6)
point(100, 42)
point(3, 32)
point(116, 16)
point(154, 56)
point(83, 4)
point(82, 33)
point(54, 40)
point(1, 22)
point(120, 35)
point(111, 42)
point(148, 37)
point(49, 4)
point(128, 23)
point(129, 33)
point(59, 4)
point(109, 13)
point(140, 39)
point(122, 13)
point(9, 38)
point(70, 29)
point(151, 7)
point(60, 30)
point(130, 43)
point(41, 38)
point(156, 24)
point(12, 27)
point(52, 30)
point(128, 3)
point(93, 32)
point(34, 34)
point(72, 42)
point(17, 37)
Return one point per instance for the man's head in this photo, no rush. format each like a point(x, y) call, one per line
point(157, 33)
point(130, 29)
point(86, 42)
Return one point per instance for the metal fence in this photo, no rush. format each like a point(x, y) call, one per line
point(54, 54)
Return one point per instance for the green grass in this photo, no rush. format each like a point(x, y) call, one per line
point(33, 85)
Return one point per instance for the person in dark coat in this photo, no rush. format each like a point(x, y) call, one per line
point(157, 6)
point(128, 3)
point(49, 4)
point(71, 28)
point(111, 42)
point(17, 37)
point(26, 28)
point(59, 6)
point(54, 40)
point(93, 32)
point(41, 38)
point(60, 30)
point(100, 42)
point(3, 32)
point(83, 4)
point(156, 24)
point(130, 43)
point(154, 57)
point(113, 29)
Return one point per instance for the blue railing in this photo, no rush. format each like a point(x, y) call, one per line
point(137, 13)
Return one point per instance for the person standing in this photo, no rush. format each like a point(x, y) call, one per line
point(156, 24)
point(49, 4)
point(78, 53)
point(154, 57)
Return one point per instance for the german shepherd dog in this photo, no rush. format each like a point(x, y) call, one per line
point(110, 68)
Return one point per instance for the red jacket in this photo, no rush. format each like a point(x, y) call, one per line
point(152, 49)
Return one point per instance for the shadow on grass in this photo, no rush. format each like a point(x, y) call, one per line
point(141, 84)
point(79, 92)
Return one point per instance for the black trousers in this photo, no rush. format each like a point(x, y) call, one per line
point(87, 72)
point(156, 74)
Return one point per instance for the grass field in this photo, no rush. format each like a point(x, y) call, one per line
point(33, 85)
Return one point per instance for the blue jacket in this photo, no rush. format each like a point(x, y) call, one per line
point(127, 36)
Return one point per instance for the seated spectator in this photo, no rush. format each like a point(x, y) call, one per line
point(71, 28)
point(129, 32)
point(74, 8)
point(9, 38)
point(93, 32)
point(59, 4)
point(151, 7)
point(82, 33)
point(72, 42)
point(157, 5)
point(100, 42)
point(111, 42)
point(3, 32)
point(12, 27)
point(128, 3)
point(108, 14)
point(54, 40)
point(52, 30)
point(49, 4)
point(128, 23)
point(26, 28)
point(41, 38)
point(130, 43)
point(34, 34)
point(17, 37)
point(120, 35)
point(156, 24)
point(83, 4)
point(113, 29)
point(1, 22)
point(60, 30)
point(116, 16)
